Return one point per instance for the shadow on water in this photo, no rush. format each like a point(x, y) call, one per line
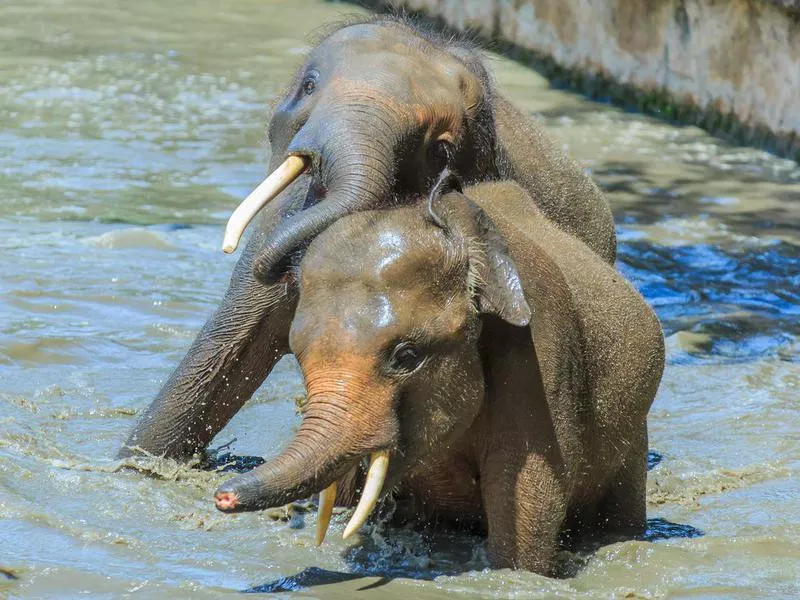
point(661, 529)
point(405, 553)
point(735, 305)
point(653, 459)
point(373, 561)
point(310, 577)
point(231, 463)
point(391, 553)
point(397, 553)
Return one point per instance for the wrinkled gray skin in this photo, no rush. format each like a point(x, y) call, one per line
point(380, 109)
point(505, 366)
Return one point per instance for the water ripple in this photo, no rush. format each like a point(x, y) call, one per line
point(730, 305)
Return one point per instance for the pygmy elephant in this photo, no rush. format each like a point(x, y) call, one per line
point(375, 113)
point(494, 368)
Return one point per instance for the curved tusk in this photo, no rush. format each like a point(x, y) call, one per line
point(326, 499)
point(378, 465)
point(274, 184)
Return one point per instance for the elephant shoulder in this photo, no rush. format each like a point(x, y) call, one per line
point(590, 326)
point(554, 325)
point(622, 336)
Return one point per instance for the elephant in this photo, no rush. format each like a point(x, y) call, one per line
point(376, 112)
point(493, 368)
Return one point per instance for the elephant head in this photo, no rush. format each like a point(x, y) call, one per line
point(376, 112)
point(387, 332)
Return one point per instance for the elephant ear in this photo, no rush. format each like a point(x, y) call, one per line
point(493, 277)
point(498, 287)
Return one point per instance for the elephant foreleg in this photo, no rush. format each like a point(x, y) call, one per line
point(229, 359)
point(525, 511)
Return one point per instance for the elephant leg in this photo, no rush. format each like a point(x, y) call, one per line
point(520, 462)
point(623, 510)
point(525, 511)
point(231, 356)
point(229, 359)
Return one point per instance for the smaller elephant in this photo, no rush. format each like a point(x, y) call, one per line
point(495, 369)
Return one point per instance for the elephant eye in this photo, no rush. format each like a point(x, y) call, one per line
point(441, 154)
point(309, 83)
point(405, 358)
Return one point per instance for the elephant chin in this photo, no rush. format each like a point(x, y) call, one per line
point(246, 493)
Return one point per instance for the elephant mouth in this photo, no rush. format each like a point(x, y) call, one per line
point(228, 500)
point(277, 181)
point(371, 493)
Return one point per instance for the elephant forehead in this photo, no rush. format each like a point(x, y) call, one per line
point(391, 76)
point(396, 252)
point(399, 260)
point(384, 312)
point(389, 55)
point(357, 319)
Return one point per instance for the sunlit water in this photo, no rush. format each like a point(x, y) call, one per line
point(129, 131)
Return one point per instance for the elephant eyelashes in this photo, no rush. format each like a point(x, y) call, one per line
point(405, 358)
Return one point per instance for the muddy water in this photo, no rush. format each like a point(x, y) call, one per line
point(128, 132)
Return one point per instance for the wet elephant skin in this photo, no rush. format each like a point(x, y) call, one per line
point(505, 367)
point(378, 118)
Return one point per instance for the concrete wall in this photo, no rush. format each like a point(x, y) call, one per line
point(731, 66)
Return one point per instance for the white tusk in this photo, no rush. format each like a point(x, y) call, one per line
point(274, 184)
point(378, 465)
point(326, 499)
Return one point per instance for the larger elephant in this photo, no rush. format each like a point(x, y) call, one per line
point(375, 113)
point(496, 370)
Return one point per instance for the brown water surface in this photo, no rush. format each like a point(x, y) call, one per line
point(129, 131)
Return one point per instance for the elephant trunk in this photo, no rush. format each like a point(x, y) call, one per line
point(352, 152)
point(347, 418)
point(317, 455)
